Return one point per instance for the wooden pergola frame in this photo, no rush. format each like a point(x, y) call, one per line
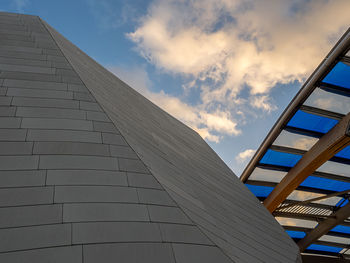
point(328, 145)
point(311, 83)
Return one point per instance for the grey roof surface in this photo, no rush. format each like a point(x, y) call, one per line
point(91, 171)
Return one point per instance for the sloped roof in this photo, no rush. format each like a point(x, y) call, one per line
point(98, 172)
point(188, 169)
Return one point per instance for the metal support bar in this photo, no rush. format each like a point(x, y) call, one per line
point(328, 145)
point(324, 227)
point(313, 199)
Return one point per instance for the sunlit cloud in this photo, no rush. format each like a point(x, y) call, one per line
point(136, 77)
point(262, 102)
point(245, 155)
point(233, 52)
point(237, 42)
point(304, 143)
point(326, 102)
point(294, 140)
point(208, 125)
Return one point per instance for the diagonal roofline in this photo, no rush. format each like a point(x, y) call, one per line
point(207, 190)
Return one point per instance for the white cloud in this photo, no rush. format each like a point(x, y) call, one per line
point(136, 77)
point(184, 37)
point(304, 143)
point(20, 4)
point(262, 102)
point(205, 134)
point(223, 47)
point(233, 52)
point(245, 155)
point(208, 125)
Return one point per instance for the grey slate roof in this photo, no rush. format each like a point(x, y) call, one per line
point(91, 171)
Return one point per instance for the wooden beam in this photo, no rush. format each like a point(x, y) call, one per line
point(326, 147)
point(324, 227)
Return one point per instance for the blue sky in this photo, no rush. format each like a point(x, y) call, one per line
point(226, 68)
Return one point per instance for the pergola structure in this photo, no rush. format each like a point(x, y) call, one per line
point(301, 172)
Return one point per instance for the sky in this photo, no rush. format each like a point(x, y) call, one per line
point(226, 68)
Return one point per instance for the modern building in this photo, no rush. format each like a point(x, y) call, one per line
point(301, 172)
point(91, 171)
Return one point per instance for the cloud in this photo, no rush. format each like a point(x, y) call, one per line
point(304, 143)
point(20, 4)
point(136, 77)
point(186, 37)
point(236, 51)
point(245, 155)
point(262, 102)
point(229, 53)
point(210, 126)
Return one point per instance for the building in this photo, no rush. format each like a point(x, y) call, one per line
point(301, 171)
point(91, 171)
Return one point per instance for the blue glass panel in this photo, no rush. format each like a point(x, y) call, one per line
point(341, 229)
point(311, 122)
point(345, 153)
point(325, 184)
point(260, 191)
point(339, 75)
point(325, 248)
point(342, 202)
point(295, 234)
point(280, 158)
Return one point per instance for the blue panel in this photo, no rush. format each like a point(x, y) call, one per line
point(295, 234)
point(342, 202)
point(339, 75)
point(341, 229)
point(345, 153)
point(280, 158)
point(325, 184)
point(260, 191)
point(311, 122)
point(325, 248)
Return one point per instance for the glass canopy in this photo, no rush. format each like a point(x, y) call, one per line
point(327, 189)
